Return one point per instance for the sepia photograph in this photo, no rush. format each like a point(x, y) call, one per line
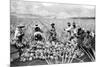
point(45, 33)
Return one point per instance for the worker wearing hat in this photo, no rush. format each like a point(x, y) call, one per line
point(38, 33)
point(19, 33)
point(53, 26)
point(18, 36)
point(53, 33)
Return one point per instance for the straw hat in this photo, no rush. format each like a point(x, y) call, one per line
point(20, 26)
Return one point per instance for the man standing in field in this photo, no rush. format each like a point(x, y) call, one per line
point(19, 33)
point(53, 33)
point(68, 30)
point(18, 38)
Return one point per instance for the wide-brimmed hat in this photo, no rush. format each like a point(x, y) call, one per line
point(20, 26)
point(52, 24)
point(36, 25)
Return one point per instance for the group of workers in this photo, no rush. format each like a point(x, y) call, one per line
point(75, 35)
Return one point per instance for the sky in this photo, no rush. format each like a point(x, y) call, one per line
point(51, 9)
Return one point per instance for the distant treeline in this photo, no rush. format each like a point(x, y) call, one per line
point(83, 17)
